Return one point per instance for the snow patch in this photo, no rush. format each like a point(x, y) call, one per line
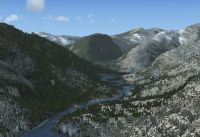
point(137, 36)
point(64, 41)
point(168, 35)
point(182, 31)
point(52, 38)
point(182, 40)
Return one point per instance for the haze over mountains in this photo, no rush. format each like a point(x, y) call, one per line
point(42, 74)
point(130, 51)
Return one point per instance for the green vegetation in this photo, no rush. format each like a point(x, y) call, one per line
point(109, 111)
point(97, 47)
point(50, 63)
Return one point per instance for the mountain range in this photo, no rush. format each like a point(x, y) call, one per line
point(39, 78)
point(133, 50)
point(42, 74)
point(164, 67)
point(63, 40)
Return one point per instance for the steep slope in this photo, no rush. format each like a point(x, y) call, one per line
point(165, 101)
point(96, 47)
point(135, 37)
point(147, 45)
point(39, 78)
point(63, 40)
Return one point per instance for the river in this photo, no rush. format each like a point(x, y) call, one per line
point(45, 128)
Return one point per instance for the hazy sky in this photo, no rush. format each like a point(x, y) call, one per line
point(84, 17)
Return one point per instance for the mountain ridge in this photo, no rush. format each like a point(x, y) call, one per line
point(39, 78)
point(165, 101)
point(96, 47)
point(64, 40)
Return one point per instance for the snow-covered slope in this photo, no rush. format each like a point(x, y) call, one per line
point(146, 48)
point(135, 37)
point(165, 102)
point(63, 40)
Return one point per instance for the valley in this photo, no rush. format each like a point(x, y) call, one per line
point(163, 66)
point(46, 128)
point(100, 68)
point(144, 82)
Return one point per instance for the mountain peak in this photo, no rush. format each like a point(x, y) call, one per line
point(63, 40)
point(97, 47)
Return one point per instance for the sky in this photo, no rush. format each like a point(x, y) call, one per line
point(85, 17)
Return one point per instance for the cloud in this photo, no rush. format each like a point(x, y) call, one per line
point(35, 5)
point(112, 20)
point(56, 18)
point(90, 15)
point(78, 18)
point(11, 18)
point(92, 21)
point(61, 19)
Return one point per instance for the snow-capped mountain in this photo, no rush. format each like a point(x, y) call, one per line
point(63, 40)
point(147, 45)
point(135, 37)
point(165, 101)
point(140, 47)
point(163, 68)
point(96, 47)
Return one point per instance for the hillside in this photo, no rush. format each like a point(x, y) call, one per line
point(165, 101)
point(39, 78)
point(147, 45)
point(96, 47)
point(135, 37)
point(63, 40)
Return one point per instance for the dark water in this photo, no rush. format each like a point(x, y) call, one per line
point(45, 128)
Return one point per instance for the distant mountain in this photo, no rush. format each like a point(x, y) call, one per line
point(147, 45)
point(39, 78)
point(136, 49)
point(68, 41)
point(63, 40)
point(165, 101)
point(134, 37)
point(72, 43)
point(97, 47)
point(130, 51)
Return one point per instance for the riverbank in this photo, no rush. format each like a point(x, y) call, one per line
point(45, 129)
